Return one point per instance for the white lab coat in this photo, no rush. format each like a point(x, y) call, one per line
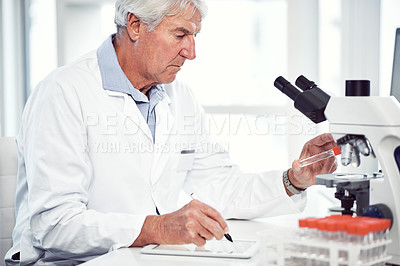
point(90, 173)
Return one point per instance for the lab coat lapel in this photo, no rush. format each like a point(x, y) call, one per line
point(164, 125)
point(132, 112)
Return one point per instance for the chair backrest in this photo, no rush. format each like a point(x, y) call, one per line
point(8, 179)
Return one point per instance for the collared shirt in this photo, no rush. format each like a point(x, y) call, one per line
point(114, 79)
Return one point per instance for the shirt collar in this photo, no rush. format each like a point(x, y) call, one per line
point(114, 79)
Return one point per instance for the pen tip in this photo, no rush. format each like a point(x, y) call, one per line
point(228, 237)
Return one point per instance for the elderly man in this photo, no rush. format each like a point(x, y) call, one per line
point(108, 142)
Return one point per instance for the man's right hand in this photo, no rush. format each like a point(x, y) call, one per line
point(195, 223)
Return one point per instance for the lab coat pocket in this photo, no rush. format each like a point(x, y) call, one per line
point(186, 159)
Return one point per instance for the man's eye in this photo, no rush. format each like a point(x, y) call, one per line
point(180, 36)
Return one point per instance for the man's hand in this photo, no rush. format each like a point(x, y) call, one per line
point(305, 177)
point(195, 223)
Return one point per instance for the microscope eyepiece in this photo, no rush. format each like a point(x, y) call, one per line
point(284, 86)
point(280, 83)
point(303, 83)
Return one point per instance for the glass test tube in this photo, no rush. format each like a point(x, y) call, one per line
point(320, 156)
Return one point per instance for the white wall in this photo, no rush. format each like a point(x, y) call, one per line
point(360, 41)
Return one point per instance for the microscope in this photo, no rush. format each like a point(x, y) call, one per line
point(362, 126)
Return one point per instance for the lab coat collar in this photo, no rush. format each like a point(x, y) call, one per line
point(112, 76)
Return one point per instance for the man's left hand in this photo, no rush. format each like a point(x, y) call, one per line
point(303, 177)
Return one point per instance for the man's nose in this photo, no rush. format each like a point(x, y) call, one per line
point(189, 50)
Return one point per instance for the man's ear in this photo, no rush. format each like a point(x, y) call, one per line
point(133, 26)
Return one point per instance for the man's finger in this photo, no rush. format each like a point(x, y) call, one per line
point(329, 145)
point(328, 164)
point(204, 233)
point(199, 241)
point(296, 167)
point(211, 219)
point(212, 226)
point(322, 139)
point(214, 215)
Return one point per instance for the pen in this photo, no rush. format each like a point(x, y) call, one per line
point(227, 236)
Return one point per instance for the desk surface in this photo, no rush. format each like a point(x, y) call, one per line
point(238, 229)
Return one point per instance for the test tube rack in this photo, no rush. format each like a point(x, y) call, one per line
point(288, 246)
point(315, 252)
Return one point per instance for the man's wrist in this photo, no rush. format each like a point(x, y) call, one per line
point(289, 185)
point(150, 232)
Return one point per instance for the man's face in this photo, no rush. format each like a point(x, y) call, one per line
point(164, 50)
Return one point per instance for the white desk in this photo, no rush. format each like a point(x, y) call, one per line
point(319, 199)
point(238, 229)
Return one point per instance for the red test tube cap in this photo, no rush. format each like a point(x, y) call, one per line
point(336, 150)
point(303, 223)
point(363, 229)
point(312, 222)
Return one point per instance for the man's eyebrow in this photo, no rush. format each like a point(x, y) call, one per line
point(182, 29)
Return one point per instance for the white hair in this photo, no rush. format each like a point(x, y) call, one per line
point(152, 12)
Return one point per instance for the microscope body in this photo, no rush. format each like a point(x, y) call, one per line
point(378, 120)
point(366, 125)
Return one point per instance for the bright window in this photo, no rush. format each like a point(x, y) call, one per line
point(241, 49)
